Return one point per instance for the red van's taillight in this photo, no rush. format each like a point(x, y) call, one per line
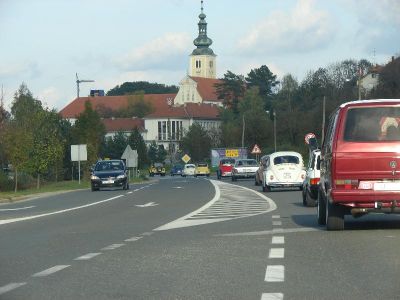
point(314, 181)
point(347, 184)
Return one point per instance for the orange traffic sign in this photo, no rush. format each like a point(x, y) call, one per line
point(256, 150)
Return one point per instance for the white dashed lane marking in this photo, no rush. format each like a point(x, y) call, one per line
point(112, 247)
point(272, 296)
point(87, 256)
point(50, 271)
point(276, 253)
point(278, 240)
point(11, 286)
point(277, 223)
point(133, 239)
point(275, 273)
point(276, 216)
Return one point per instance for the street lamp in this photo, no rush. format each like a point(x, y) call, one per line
point(274, 115)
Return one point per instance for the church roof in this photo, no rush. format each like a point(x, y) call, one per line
point(206, 88)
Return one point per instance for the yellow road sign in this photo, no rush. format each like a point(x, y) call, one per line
point(232, 153)
point(186, 158)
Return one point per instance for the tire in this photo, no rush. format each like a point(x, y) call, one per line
point(308, 200)
point(218, 175)
point(334, 217)
point(266, 188)
point(93, 188)
point(321, 210)
point(304, 198)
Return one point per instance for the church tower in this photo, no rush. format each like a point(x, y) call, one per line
point(202, 60)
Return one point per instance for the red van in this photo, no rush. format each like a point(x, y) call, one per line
point(360, 162)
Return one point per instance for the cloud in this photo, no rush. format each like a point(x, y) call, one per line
point(302, 29)
point(23, 70)
point(50, 98)
point(165, 52)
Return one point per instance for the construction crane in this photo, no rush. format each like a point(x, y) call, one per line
point(78, 81)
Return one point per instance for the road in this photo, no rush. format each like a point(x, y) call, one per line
point(191, 238)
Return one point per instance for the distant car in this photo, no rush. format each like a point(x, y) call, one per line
point(157, 169)
point(282, 169)
point(176, 170)
point(225, 167)
point(244, 168)
point(188, 170)
point(202, 169)
point(311, 182)
point(109, 173)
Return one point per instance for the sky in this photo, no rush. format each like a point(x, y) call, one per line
point(44, 43)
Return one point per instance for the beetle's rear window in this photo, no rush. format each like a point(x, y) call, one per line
point(372, 124)
point(286, 159)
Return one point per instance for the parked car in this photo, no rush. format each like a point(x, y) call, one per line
point(109, 173)
point(225, 167)
point(202, 169)
point(188, 170)
point(311, 182)
point(157, 169)
point(284, 169)
point(176, 170)
point(244, 168)
point(360, 163)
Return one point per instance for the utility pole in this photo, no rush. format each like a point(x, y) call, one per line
point(78, 81)
point(323, 121)
point(243, 128)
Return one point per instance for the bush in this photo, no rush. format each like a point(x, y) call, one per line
point(25, 181)
point(6, 184)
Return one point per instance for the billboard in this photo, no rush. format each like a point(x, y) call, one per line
point(219, 153)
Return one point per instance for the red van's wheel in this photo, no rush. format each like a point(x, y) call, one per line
point(334, 216)
point(321, 210)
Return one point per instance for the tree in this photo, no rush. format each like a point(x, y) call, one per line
point(128, 88)
point(156, 153)
point(115, 146)
point(231, 90)
point(389, 81)
point(137, 143)
point(266, 82)
point(89, 129)
point(196, 143)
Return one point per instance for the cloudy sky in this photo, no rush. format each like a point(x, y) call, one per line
point(45, 42)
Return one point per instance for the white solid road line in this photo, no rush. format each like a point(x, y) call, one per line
point(272, 296)
point(267, 232)
point(276, 253)
point(87, 256)
point(278, 240)
point(2, 222)
point(50, 271)
point(18, 208)
point(113, 246)
point(275, 273)
point(11, 286)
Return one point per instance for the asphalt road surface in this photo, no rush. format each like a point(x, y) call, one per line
point(192, 238)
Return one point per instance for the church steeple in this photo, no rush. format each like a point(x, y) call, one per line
point(202, 59)
point(203, 42)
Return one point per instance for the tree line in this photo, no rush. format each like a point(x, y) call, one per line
point(36, 140)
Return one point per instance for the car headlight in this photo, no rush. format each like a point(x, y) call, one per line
point(94, 177)
point(121, 176)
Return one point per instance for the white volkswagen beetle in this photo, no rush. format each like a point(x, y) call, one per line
point(284, 169)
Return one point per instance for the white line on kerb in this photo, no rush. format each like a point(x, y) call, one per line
point(87, 256)
point(276, 223)
point(275, 273)
point(18, 208)
point(113, 246)
point(50, 271)
point(11, 286)
point(129, 192)
point(278, 240)
point(276, 253)
point(276, 217)
point(272, 296)
point(57, 212)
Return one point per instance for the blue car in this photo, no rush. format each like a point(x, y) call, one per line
point(176, 170)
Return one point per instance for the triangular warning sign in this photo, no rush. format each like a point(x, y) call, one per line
point(256, 150)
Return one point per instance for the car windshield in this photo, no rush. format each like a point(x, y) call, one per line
point(227, 161)
point(189, 166)
point(247, 162)
point(372, 124)
point(286, 159)
point(109, 166)
point(158, 165)
point(202, 165)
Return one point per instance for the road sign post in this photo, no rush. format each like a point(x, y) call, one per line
point(78, 153)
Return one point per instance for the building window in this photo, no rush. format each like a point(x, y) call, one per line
point(211, 64)
point(173, 136)
point(159, 131)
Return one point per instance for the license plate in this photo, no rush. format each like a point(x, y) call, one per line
point(286, 175)
point(108, 182)
point(387, 186)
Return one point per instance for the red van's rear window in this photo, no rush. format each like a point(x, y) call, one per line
point(365, 124)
